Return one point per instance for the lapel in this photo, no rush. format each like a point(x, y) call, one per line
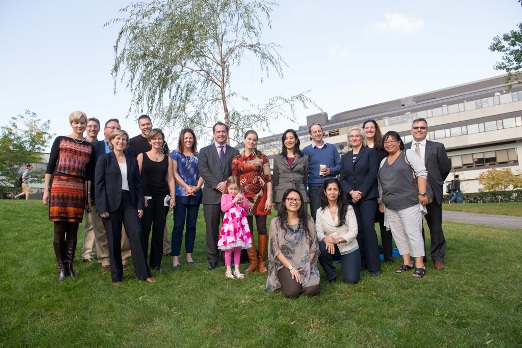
point(361, 154)
point(284, 162)
point(427, 151)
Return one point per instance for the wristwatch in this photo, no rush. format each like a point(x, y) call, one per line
point(423, 194)
point(339, 241)
point(290, 267)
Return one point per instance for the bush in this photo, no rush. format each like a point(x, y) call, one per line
point(493, 197)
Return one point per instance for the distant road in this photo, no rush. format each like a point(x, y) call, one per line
point(483, 219)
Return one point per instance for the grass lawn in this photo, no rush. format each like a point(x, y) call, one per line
point(511, 208)
point(475, 301)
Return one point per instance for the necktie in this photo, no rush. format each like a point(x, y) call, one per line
point(417, 149)
point(222, 155)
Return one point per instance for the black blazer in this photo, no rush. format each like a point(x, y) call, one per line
point(108, 183)
point(361, 175)
point(438, 166)
point(211, 171)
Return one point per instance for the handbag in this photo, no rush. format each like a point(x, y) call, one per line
point(429, 191)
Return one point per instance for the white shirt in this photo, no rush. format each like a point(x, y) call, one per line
point(124, 180)
point(422, 148)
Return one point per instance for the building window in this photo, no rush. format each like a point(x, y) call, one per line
point(333, 132)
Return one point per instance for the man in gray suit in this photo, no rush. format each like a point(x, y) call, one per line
point(215, 167)
point(438, 165)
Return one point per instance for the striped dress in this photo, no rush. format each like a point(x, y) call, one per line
point(71, 163)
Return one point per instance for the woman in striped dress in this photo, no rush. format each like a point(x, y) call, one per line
point(67, 190)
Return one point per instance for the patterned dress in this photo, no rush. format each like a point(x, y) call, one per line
point(293, 243)
point(253, 172)
point(234, 229)
point(71, 163)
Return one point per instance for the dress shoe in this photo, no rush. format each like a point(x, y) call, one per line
point(376, 273)
point(125, 267)
point(116, 283)
point(333, 280)
point(438, 265)
point(150, 280)
point(90, 259)
point(212, 265)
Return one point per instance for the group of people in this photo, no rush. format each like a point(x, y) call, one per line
point(136, 181)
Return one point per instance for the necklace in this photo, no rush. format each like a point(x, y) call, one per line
point(77, 141)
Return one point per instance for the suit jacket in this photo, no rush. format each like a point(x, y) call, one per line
point(285, 177)
point(108, 182)
point(213, 173)
point(438, 166)
point(360, 175)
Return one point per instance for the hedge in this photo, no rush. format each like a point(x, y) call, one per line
point(493, 197)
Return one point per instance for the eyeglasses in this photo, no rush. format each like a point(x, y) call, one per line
point(417, 128)
point(390, 142)
point(93, 127)
point(291, 200)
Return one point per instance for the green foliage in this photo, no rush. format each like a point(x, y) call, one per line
point(500, 179)
point(493, 197)
point(474, 302)
point(510, 45)
point(22, 140)
point(178, 57)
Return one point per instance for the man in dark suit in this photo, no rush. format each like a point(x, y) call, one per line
point(438, 165)
point(102, 251)
point(215, 167)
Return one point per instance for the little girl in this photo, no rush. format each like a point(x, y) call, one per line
point(235, 233)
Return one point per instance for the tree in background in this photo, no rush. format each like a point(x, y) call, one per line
point(178, 56)
point(510, 45)
point(499, 180)
point(22, 140)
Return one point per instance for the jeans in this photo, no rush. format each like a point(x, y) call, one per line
point(185, 215)
point(350, 264)
point(456, 196)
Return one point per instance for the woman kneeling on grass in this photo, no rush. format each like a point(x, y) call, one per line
point(293, 249)
point(336, 226)
point(401, 203)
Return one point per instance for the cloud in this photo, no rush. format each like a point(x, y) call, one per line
point(337, 51)
point(396, 22)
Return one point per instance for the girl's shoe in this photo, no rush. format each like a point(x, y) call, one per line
point(229, 275)
point(239, 275)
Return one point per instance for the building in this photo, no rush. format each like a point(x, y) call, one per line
point(479, 123)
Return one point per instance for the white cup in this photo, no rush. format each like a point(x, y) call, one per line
point(322, 169)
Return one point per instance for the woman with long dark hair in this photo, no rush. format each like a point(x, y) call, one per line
point(67, 189)
point(293, 249)
point(336, 227)
point(184, 163)
point(290, 168)
point(253, 170)
point(374, 140)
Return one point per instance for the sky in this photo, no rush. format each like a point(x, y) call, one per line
point(56, 55)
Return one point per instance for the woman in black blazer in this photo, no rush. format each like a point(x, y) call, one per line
point(119, 199)
point(359, 169)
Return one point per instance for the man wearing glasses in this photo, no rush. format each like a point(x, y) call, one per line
point(324, 162)
point(437, 163)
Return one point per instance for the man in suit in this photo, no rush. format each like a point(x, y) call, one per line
point(215, 167)
point(140, 144)
point(102, 247)
point(438, 165)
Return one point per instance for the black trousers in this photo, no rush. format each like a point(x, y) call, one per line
point(438, 242)
point(155, 217)
point(127, 214)
point(367, 237)
point(213, 218)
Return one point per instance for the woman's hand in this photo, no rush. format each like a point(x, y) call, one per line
point(330, 247)
point(172, 203)
point(268, 204)
point(423, 200)
point(296, 275)
point(140, 213)
point(382, 208)
point(105, 215)
point(45, 198)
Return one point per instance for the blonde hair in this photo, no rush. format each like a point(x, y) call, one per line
point(232, 180)
point(116, 133)
point(76, 116)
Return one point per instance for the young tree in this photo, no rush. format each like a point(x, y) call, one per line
point(499, 180)
point(178, 56)
point(22, 141)
point(510, 45)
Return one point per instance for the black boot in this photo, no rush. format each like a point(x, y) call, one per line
point(69, 260)
point(59, 251)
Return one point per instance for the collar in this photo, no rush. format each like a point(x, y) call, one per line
point(217, 145)
point(314, 145)
point(422, 142)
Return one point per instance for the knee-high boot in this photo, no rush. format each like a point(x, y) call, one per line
point(262, 239)
point(252, 257)
point(59, 251)
point(69, 260)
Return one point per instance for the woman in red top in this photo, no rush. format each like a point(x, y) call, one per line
point(253, 170)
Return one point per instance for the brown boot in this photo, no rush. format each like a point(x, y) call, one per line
point(252, 257)
point(262, 239)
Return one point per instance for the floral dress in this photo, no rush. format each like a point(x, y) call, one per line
point(293, 243)
point(234, 229)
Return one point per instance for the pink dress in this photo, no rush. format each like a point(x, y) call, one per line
point(234, 229)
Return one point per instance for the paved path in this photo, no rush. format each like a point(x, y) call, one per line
point(483, 219)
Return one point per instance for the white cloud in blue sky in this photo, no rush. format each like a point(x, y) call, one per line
point(396, 22)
